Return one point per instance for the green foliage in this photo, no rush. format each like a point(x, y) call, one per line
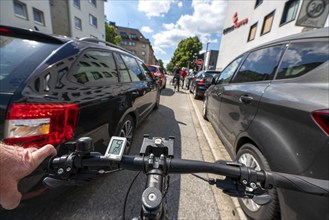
point(185, 53)
point(111, 35)
point(161, 63)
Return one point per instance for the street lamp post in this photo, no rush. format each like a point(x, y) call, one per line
point(206, 57)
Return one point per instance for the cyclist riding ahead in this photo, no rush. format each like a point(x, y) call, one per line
point(176, 79)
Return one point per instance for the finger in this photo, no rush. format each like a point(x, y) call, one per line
point(43, 153)
point(10, 199)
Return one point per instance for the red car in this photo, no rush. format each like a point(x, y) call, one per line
point(158, 71)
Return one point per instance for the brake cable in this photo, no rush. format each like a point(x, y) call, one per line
point(127, 194)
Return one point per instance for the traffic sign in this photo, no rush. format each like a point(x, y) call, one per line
point(313, 13)
point(199, 62)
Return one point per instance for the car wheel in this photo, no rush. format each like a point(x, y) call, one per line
point(195, 93)
point(204, 110)
point(127, 130)
point(250, 156)
point(157, 101)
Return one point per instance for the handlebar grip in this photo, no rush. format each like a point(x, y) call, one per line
point(301, 183)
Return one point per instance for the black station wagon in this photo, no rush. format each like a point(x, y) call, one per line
point(56, 89)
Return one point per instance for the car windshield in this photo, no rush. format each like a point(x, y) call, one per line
point(19, 58)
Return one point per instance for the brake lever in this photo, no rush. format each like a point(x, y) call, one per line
point(233, 188)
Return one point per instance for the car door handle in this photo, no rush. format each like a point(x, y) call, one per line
point(218, 93)
point(246, 99)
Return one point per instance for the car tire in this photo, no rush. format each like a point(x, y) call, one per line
point(157, 101)
point(250, 156)
point(126, 129)
point(204, 109)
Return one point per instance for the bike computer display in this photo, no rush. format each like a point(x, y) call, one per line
point(116, 148)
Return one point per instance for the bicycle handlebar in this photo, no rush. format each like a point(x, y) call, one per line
point(157, 161)
point(182, 166)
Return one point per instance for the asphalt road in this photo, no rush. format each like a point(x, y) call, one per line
point(188, 197)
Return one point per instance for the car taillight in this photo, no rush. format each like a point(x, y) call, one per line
point(40, 124)
point(201, 82)
point(321, 117)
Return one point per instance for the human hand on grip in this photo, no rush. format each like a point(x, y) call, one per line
point(16, 163)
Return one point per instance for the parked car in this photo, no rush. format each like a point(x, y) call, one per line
point(189, 79)
point(158, 71)
point(201, 81)
point(270, 108)
point(55, 90)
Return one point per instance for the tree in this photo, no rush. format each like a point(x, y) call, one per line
point(185, 53)
point(111, 35)
point(161, 63)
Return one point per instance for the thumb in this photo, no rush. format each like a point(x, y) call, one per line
point(42, 153)
point(11, 197)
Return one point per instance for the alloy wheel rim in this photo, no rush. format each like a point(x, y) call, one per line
point(250, 161)
point(204, 107)
point(127, 132)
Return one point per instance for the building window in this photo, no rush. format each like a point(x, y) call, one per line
point(143, 45)
point(258, 2)
point(252, 32)
point(76, 3)
point(290, 11)
point(268, 20)
point(20, 9)
point(124, 35)
point(77, 23)
point(124, 43)
point(38, 16)
point(133, 36)
point(132, 44)
point(93, 2)
point(92, 20)
point(143, 53)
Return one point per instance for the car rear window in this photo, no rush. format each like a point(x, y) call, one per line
point(211, 74)
point(152, 68)
point(19, 58)
point(303, 57)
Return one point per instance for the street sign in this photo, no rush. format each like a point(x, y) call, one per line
point(313, 13)
point(199, 62)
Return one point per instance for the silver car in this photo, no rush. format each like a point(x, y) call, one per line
point(270, 108)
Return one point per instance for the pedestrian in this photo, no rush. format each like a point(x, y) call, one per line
point(183, 75)
point(16, 163)
point(177, 75)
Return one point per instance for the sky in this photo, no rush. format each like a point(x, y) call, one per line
point(166, 22)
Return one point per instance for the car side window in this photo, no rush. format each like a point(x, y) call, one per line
point(228, 72)
point(302, 57)
point(123, 69)
point(260, 65)
point(146, 71)
point(134, 70)
point(96, 68)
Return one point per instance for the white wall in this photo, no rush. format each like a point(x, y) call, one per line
point(234, 43)
point(87, 8)
point(8, 17)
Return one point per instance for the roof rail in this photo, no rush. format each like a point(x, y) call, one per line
point(94, 40)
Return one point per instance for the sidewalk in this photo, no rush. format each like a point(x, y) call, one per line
point(218, 151)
